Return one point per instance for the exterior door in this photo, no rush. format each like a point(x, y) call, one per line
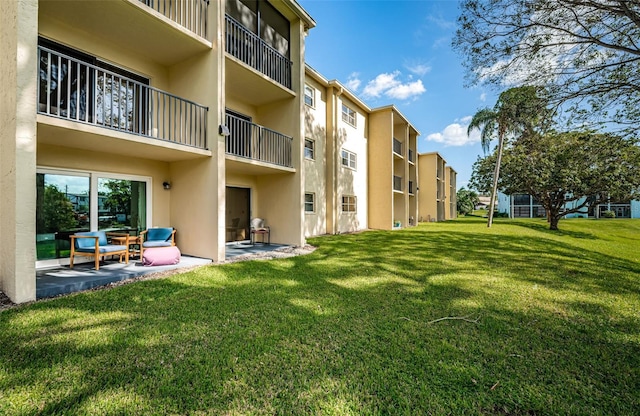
point(238, 213)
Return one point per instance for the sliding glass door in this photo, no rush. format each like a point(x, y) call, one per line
point(122, 205)
point(62, 209)
point(69, 202)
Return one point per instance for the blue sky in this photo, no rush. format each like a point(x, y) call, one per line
point(399, 52)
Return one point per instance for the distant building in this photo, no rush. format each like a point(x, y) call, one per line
point(526, 206)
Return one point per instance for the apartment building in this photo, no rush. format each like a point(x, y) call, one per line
point(336, 154)
point(175, 113)
point(393, 174)
point(451, 200)
point(434, 188)
point(361, 160)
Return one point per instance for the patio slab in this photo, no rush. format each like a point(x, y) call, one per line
point(63, 280)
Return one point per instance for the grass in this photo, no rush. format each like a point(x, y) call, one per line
point(552, 327)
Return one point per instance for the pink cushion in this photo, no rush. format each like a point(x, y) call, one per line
point(161, 256)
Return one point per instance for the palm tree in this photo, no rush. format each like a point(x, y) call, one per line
point(518, 111)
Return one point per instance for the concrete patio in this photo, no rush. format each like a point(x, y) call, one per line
point(63, 280)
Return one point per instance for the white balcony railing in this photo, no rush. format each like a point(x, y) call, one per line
point(74, 90)
point(190, 14)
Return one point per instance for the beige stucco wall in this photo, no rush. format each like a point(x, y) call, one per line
point(315, 170)
point(380, 170)
point(350, 181)
point(104, 50)
point(18, 34)
point(198, 186)
point(432, 195)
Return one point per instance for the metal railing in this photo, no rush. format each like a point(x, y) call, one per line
point(190, 14)
point(397, 183)
point(255, 142)
point(253, 51)
point(75, 90)
point(397, 146)
point(411, 155)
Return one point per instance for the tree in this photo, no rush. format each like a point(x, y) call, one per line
point(567, 172)
point(466, 201)
point(518, 112)
point(118, 199)
point(584, 52)
point(58, 211)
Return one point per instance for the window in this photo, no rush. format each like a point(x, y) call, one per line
point(310, 202)
point(348, 159)
point(309, 149)
point(309, 96)
point(348, 115)
point(348, 203)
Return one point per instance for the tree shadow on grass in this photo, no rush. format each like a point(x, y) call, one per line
point(343, 330)
point(543, 227)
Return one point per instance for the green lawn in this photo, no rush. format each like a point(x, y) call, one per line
point(551, 326)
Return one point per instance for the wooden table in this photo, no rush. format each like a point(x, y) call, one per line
point(133, 241)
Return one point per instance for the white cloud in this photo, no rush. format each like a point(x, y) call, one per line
point(455, 134)
point(419, 69)
point(380, 84)
point(405, 91)
point(483, 97)
point(387, 84)
point(353, 82)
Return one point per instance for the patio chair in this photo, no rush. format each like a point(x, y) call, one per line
point(258, 227)
point(157, 237)
point(96, 244)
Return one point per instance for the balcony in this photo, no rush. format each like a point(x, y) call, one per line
point(411, 188)
point(190, 14)
point(139, 26)
point(412, 157)
point(397, 183)
point(247, 47)
point(254, 142)
point(77, 91)
point(397, 147)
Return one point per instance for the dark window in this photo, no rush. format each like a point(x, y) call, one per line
point(521, 199)
point(309, 149)
point(264, 20)
point(310, 202)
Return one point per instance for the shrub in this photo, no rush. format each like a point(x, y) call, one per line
point(608, 214)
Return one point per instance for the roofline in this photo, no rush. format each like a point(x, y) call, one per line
point(309, 23)
point(353, 97)
point(434, 153)
point(338, 85)
point(392, 107)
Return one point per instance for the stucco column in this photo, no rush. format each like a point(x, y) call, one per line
point(18, 81)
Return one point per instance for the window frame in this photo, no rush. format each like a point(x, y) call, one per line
point(349, 204)
point(313, 202)
point(349, 115)
point(351, 159)
point(311, 149)
point(312, 97)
